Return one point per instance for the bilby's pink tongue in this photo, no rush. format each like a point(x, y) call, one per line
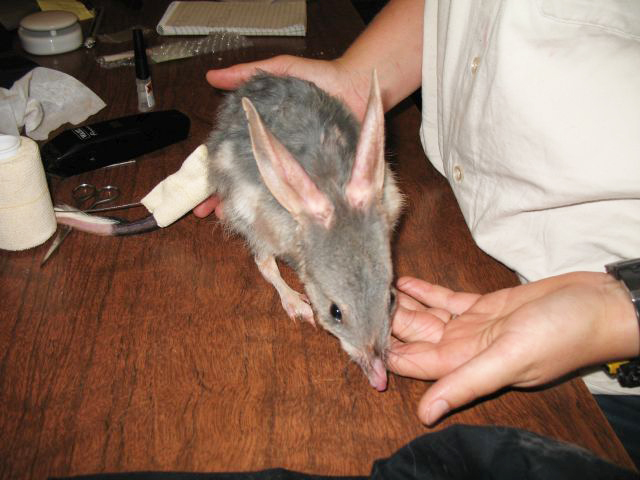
point(378, 375)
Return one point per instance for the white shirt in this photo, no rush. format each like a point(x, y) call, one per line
point(531, 109)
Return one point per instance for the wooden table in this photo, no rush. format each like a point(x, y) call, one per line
point(168, 351)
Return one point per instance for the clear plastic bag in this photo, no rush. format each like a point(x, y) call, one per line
point(177, 49)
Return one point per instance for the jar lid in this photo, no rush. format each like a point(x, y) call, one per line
point(46, 21)
point(9, 145)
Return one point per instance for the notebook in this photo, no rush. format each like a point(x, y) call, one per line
point(282, 18)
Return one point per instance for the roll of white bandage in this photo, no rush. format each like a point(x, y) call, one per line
point(26, 211)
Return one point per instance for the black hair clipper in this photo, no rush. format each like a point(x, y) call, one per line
point(98, 145)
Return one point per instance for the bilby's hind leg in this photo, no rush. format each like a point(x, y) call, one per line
point(295, 304)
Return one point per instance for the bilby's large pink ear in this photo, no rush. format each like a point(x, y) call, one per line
point(367, 174)
point(283, 175)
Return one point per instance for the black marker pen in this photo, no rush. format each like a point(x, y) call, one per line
point(146, 100)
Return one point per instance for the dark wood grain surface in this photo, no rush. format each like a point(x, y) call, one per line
point(168, 351)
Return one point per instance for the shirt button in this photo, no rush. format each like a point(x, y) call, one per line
point(475, 63)
point(458, 173)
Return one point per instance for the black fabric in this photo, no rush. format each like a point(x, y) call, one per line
point(460, 452)
point(623, 413)
point(463, 452)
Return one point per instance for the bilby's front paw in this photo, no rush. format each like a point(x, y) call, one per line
point(298, 308)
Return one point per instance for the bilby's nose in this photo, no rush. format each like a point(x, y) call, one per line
point(377, 374)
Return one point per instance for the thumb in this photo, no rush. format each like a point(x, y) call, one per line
point(232, 77)
point(484, 374)
point(207, 206)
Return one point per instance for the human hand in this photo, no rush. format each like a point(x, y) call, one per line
point(351, 86)
point(522, 336)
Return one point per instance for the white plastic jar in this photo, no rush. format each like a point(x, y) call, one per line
point(50, 33)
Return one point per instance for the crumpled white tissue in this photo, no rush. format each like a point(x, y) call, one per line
point(44, 99)
point(180, 192)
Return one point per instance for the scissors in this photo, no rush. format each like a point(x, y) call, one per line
point(86, 197)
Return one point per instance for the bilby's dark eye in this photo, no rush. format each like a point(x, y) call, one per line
point(335, 313)
point(392, 301)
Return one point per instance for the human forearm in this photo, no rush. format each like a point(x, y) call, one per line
point(392, 44)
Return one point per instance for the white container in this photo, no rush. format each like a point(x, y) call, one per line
point(50, 33)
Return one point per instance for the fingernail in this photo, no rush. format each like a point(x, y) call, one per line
point(437, 410)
